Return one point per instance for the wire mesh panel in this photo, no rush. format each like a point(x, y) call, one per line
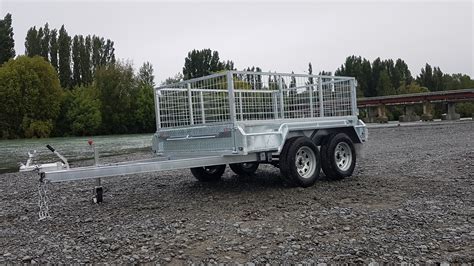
point(174, 109)
point(263, 96)
point(255, 105)
point(205, 100)
point(337, 97)
point(248, 96)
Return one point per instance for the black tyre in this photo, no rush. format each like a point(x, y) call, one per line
point(303, 162)
point(282, 163)
point(208, 173)
point(338, 156)
point(244, 169)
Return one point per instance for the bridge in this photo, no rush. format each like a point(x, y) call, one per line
point(409, 100)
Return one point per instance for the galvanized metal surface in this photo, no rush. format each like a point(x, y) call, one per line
point(234, 117)
point(253, 110)
point(248, 96)
point(135, 167)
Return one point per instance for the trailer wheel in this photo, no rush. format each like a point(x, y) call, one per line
point(208, 173)
point(303, 162)
point(338, 156)
point(282, 161)
point(244, 169)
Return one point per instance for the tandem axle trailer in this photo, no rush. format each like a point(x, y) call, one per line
point(299, 123)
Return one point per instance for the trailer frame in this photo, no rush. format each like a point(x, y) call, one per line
point(234, 117)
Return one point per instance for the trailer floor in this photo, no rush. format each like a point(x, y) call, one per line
point(411, 199)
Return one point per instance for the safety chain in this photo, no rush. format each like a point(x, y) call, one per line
point(43, 198)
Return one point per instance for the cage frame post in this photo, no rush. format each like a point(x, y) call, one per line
point(190, 105)
point(157, 109)
point(230, 88)
point(282, 102)
point(354, 97)
point(311, 107)
point(321, 95)
point(203, 112)
point(275, 104)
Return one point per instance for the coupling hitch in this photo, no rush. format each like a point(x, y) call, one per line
point(31, 166)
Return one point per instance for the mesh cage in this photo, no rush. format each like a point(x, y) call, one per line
point(252, 96)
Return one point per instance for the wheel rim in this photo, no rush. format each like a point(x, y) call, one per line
point(343, 156)
point(305, 162)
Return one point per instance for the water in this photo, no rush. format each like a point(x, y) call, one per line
point(12, 152)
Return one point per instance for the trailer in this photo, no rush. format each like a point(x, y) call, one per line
point(300, 123)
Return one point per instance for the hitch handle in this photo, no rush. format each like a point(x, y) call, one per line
point(50, 148)
point(63, 160)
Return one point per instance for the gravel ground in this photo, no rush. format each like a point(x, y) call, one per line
point(409, 200)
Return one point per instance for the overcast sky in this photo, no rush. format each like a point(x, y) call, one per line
point(277, 36)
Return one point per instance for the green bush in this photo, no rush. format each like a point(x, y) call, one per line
point(465, 109)
point(84, 115)
point(30, 97)
point(37, 129)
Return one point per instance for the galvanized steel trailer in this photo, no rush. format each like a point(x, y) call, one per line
point(297, 122)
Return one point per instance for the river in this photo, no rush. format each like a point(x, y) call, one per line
point(12, 152)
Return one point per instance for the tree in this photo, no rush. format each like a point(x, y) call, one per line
point(204, 62)
point(39, 38)
point(31, 97)
point(432, 78)
point(7, 43)
point(377, 68)
point(109, 53)
point(53, 49)
point(259, 78)
point(44, 42)
point(85, 55)
point(401, 73)
point(426, 77)
point(76, 61)
point(457, 82)
point(143, 103)
point(389, 66)
point(293, 80)
point(438, 83)
point(365, 85)
point(175, 79)
point(413, 87)
point(83, 115)
point(145, 75)
point(64, 52)
point(37, 42)
point(32, 43)
point(103, 52)
point(97, 51)
point(360, 68)
point(384, 85)
point(117, 86)
point(310, 72)
point(252, 80)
